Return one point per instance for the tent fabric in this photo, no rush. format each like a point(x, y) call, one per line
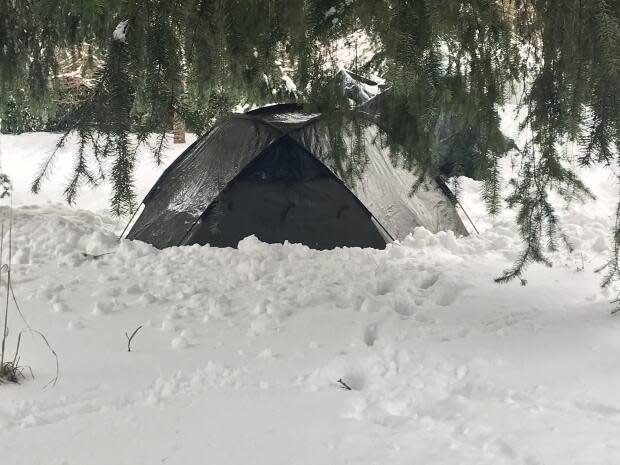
point(383, 187)
point(196, 178)
point(287, 193)
point(272, 172)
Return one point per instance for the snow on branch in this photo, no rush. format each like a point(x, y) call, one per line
point(120, 33)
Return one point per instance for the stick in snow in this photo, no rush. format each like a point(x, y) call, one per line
point(344, 385)
point(130, 338)
point(95, 256)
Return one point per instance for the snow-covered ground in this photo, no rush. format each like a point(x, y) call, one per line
point(240, 353)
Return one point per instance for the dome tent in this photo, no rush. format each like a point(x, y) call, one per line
point(280, 174)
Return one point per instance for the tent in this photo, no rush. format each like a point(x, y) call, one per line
point(283, 174)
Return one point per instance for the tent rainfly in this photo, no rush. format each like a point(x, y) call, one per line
point(272, 173)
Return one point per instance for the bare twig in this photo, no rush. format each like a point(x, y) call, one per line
point(19, 340)
point(344, 385)
point(6, 310)
point(13, 366)
point(11, 371)
point(54, 380)
point(130, 338)
point(95, 256)
point(467, 216)
point(8, 276)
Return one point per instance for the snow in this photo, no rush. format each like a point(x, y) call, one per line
point(361, 90)
point(289, 84)
point(240, 353)
point(120, 32)
point(22, 156)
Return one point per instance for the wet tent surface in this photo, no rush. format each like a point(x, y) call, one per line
point(196, 178)
point(286, 194)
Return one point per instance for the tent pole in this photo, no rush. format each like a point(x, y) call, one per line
point(468, 218)
point(129, 222)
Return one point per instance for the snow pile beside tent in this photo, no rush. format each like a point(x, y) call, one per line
point(241, 351)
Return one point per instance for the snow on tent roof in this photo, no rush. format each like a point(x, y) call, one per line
point(272, 172)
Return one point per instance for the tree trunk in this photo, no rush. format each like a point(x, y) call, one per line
point(178, 129)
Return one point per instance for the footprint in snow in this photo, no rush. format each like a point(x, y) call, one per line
point(60, 307)
point(604, 410)
point(446, 291)
point(75, 325)
point(384, 286)
point(370, 334)
point(404, 307)
point(182, 341)
point(106, 307)
point(429, 281)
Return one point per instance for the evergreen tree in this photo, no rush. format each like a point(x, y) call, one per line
point(451, 62)
point(17, 117)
